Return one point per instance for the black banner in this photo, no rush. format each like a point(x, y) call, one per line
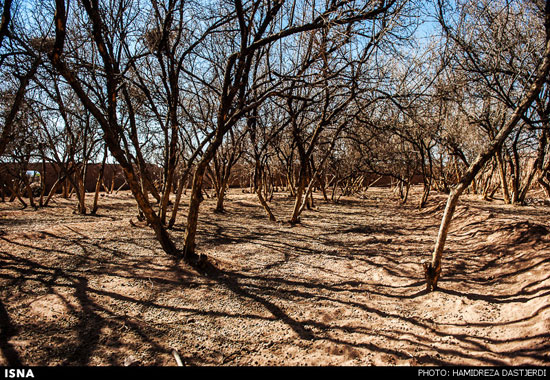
point(154, 373)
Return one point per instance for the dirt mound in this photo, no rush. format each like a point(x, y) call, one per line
point(517, 233)
point(437, 207)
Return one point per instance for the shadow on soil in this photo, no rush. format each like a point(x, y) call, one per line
point(95, 324)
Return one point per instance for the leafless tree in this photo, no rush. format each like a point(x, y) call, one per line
point(523, 101)
point(257, 29)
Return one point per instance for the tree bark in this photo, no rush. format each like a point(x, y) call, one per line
point(99, 181)
point(258, 191)
point(193, 214)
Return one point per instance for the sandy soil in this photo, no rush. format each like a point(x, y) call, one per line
point(342, 288)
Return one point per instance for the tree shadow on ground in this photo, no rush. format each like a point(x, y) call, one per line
point(7, 330)
point(309, 284)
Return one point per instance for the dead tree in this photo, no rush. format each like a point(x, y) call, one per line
point(540, 76)
point(257, 29)
point(223, 162)
point(108, 117)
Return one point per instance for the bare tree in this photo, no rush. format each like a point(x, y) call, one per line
point(258, 29)
point(531, 91)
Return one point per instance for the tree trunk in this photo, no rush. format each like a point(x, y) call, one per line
point(535, 167)
point(15, 193)
point(221, 197)
point(53, 190)
point(81, 189)
point(265, 205)
point(433, 269)
point(542, 178)
point(193, 214)
point(29, 191)
point(168, 184)
point(177, 201)
point(294, 219)
point(502, 176)
point(321, 179)
point(258, 191)
point(99, 181)
point(545, 184)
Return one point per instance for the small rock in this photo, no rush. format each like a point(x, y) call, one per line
point(131, 361)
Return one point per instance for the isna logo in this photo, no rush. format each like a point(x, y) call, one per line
point(18, 373)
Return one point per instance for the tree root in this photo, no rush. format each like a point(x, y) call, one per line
point(432, 276)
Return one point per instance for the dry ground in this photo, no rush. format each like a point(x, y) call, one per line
point(342, 288)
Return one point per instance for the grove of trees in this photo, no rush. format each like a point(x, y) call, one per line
point(296, 96)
